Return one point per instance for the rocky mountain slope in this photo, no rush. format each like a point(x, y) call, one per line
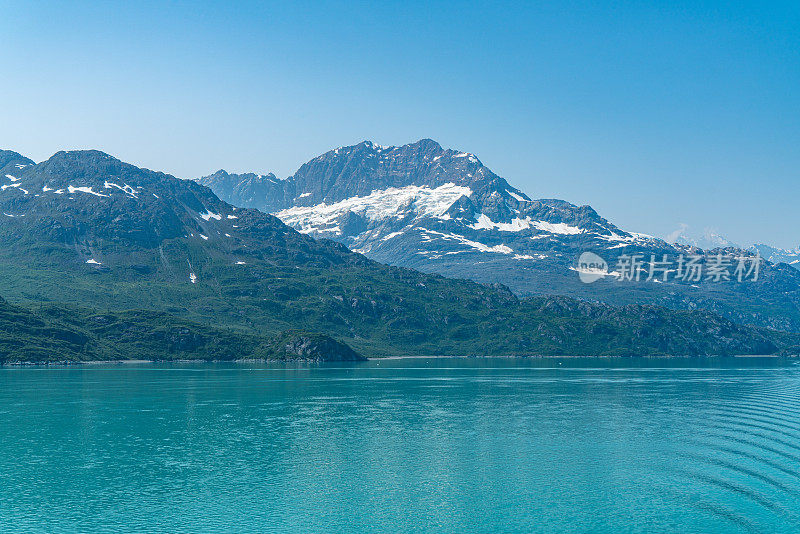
point(442, 211)
point(85, 229)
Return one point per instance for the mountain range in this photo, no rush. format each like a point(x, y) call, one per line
point(442, 211)
point(709, 239)
point(778, 255)
point(124, 262)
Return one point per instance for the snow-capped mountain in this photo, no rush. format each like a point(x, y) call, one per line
point(442, 211)
point(709, 239)
point(778, 255)
point(420, 203)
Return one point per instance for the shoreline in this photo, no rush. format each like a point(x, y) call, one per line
point(68, 363)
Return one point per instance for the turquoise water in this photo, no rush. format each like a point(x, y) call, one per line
point(403, 446)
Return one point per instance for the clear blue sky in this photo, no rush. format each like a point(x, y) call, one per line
point(654, 113)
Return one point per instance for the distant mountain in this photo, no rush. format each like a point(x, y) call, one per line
point(709, 239)
point(140, 261)
point(778, 255)
point(381, 201)
point(442, 211)
point(249, 188)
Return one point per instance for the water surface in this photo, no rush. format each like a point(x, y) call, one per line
point(441, 445)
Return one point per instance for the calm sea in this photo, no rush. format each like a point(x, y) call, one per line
point(437, 445)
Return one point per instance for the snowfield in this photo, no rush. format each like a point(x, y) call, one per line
point(392, 203)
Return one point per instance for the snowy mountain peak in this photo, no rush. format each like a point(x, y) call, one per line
point(420, 204)
point(778, 255)
point(708, 239)
point(116, 200)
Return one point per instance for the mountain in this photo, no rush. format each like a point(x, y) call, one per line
point(778, 255)
point(86, 230)
point(710, 239)
point(442, 211)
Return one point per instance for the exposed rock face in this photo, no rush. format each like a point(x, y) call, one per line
point(250, 189)
point(317, 347)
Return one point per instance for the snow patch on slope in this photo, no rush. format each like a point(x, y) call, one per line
point(83, 189)
point(517, 197)
point(208, 215)
point(517, 225)
point(125, 188)
point(380, 205)
point(480, 247)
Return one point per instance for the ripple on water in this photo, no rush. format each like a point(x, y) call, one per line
point(444, 446)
